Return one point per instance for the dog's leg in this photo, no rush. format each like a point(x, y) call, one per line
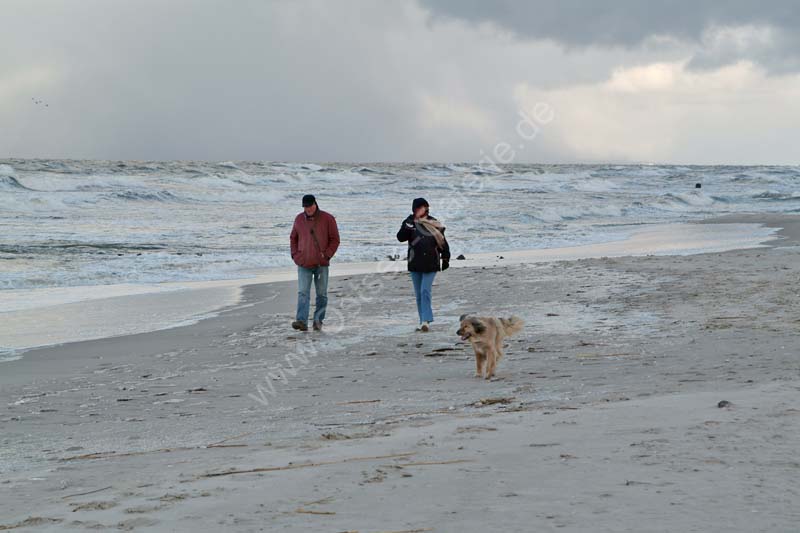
point(480, 357)
point(498, 345)
point(491, 363)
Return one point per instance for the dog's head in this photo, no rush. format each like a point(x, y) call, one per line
point(470, 326)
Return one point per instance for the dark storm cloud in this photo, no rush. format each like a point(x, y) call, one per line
point(630, 23)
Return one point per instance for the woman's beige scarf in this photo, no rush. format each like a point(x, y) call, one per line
point(435, 228)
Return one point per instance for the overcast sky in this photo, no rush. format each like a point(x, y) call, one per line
point(401, 80)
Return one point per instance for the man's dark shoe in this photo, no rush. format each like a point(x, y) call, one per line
point(299, 324)
point(317, 326)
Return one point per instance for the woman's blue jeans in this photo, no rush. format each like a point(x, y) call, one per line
point(423, 285)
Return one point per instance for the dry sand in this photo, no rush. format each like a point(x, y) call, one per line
point(604, 415)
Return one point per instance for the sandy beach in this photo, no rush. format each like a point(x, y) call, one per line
point(657, 393)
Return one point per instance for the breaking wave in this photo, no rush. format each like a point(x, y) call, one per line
point(150, 221)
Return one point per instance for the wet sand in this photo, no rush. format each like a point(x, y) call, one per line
point(603, 417)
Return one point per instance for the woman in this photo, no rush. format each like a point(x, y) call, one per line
point(427, 246)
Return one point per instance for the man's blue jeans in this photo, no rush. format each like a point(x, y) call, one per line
point(304, 276)
point(423, 284)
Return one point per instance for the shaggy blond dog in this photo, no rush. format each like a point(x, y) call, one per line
point(486, 335)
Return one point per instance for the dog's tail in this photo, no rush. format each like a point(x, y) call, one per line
point(512, 325)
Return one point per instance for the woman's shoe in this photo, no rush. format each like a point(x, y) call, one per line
point(424, 327)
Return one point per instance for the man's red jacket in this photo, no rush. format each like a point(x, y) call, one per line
point(307, 253)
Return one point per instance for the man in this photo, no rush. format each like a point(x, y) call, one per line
point(314, 240)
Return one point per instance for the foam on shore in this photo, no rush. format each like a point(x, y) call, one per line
point(42, 317)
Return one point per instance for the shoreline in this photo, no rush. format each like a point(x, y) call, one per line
point(81, 317)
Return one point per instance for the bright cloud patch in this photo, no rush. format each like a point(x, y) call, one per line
point(667, 112)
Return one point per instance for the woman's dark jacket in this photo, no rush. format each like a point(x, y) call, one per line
point(423, 253)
